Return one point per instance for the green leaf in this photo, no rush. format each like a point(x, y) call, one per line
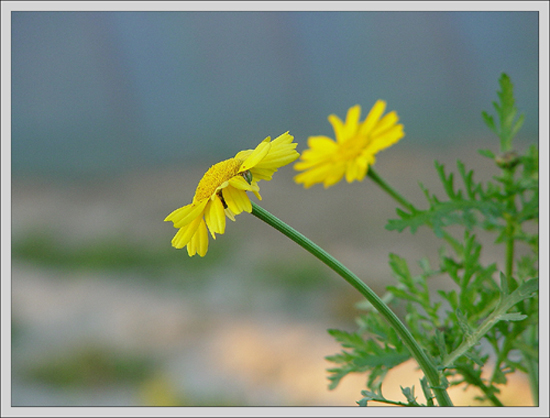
point(463, 322)
point(401, 293)
point(486, 153)
point(489, 121)
point(528, 288)
point(472, 355)
point(514, 316)
point(440, 341)
point(371, 396)
point(347, 339)
point(427, 391)
point(382, 358)
point(409, 394)
point(506, 112)
point(363, 402)
point(377, 354)
point(518, 125)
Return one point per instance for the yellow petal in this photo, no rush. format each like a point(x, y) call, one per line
point(215, 217)
point(199, 241)
point(229, 214)
point(352, 121)
point(389, 138)
point(282, 156)
point(243, 155)
point(373, 117)
point(184, 235)
point(257, 195)
point(321, 144)
point(240, 183)
point(237, 200)
point(315, 175)
point(285, 138)
point(387, 122)
point(338, 126)
point(257, 155)
point(182, 216)
point(262, 173)
point(356, 170)
point(335, 175)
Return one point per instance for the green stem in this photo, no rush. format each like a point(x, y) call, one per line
point(510, 252)
point(421, 357)
point(471, 339)
point(508, 174)
point(390, 190)
point(408, 205)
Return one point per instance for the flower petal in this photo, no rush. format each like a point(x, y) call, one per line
point(285, 138)
point(314, 175)
point(338, 126)
point(352, 122)
point(182, 216)
point(373, 117)
point(257, 155)
point(279, 156)
point(237, 200)
point(238, 182)
point(385, 123)
point(389, 138)
point(199, 241)
point(335, 175)
point(243, 155)
point(184, 235)
point(356, 170)
point(214, 216)
point(322, 144)
point(262, 173)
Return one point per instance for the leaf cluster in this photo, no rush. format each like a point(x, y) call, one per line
point(487, 206)
point(484, 316)
point(380, 351)
point(506, 112)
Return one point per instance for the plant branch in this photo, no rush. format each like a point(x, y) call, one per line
point(416, 351)
point(498, 314)
point(384, 185)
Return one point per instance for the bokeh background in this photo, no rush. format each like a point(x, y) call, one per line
point(116, 116)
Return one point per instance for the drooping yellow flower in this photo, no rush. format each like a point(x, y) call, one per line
point(222, 192)
point(327, 161)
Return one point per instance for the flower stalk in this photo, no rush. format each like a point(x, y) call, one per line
point(427, 366)
point(384, 185)
point(389, 190)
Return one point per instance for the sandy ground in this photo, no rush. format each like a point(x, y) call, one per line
point(230, 339)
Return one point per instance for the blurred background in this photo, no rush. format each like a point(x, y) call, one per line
point(115, 118)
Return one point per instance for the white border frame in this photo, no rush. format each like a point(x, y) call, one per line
point(10, 6)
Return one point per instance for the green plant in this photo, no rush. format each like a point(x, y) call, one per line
point(489, 319)
point(491, 314)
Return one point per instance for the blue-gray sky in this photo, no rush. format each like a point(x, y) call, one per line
point(100, 91)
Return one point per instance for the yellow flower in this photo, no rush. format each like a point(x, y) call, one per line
point(222, 192)
point(327, 161)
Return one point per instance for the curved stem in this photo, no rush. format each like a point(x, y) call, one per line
point(421, 357)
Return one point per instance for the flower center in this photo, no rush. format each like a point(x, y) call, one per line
point(215, 177)
point(351, 148)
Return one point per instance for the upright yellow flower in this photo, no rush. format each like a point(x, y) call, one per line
point(222, 192)
point(327, 161)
